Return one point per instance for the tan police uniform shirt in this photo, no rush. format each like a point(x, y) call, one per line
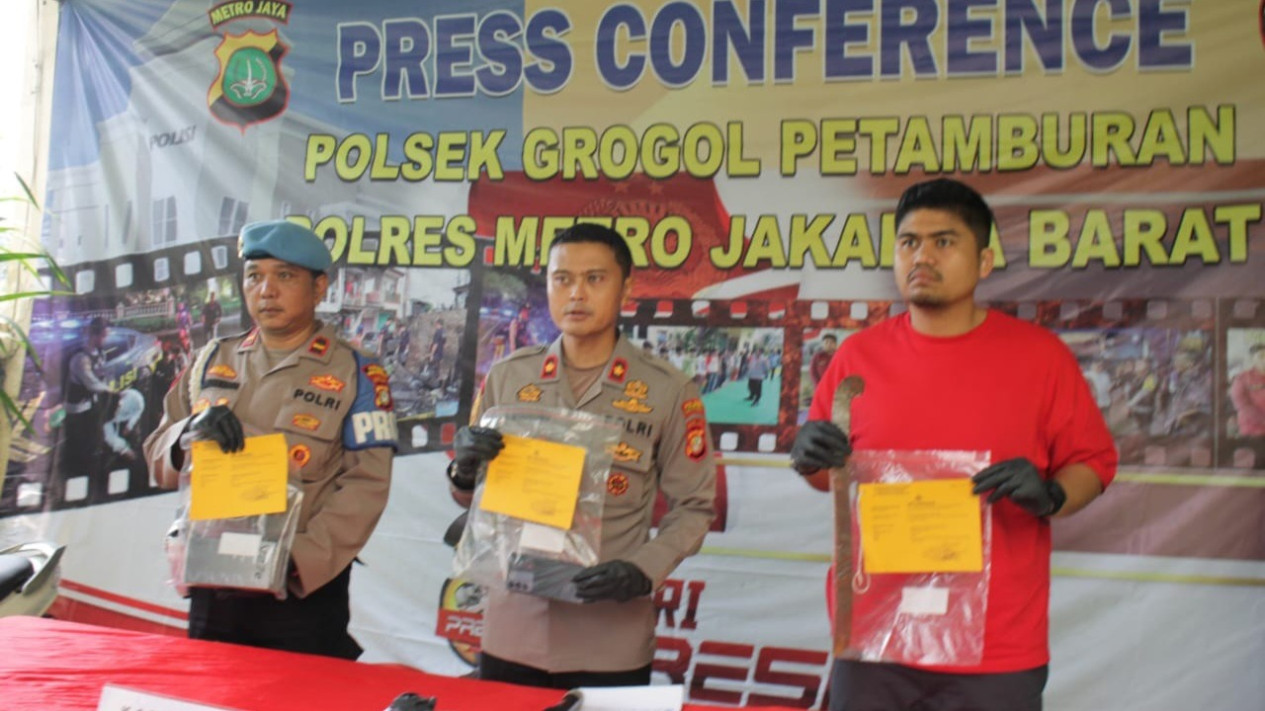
point(665, 448)
point(332, 403)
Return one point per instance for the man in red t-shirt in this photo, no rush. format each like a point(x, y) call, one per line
point(1247, 391)
point(951, 375)
point(821, 359)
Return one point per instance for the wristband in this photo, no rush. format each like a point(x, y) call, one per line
point(459, 481)
point(804, 469)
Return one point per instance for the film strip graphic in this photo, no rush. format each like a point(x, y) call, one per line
point(1161, 370)
point(1173, 367)
point(158, 269)
point(156, 307)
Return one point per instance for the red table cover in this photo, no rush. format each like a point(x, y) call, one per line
point(53, 664)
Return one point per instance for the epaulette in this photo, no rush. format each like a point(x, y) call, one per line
point(356, 349)
point(525, 352)
point(198, 369)
point(659, 364)
point(240, 335)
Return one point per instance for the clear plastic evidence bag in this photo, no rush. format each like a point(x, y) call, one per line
point(536, 517)
point(242, 552)
point(911, 559)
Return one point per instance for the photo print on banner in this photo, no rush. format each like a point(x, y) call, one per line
point(1240, 385)
point(156, 310)
point(415, 321)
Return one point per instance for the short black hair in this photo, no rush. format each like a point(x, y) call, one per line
point(98, 325)
point(591, 232)
point(831, 336)
point(951, 196)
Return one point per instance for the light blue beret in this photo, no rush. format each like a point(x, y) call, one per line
point(284, 240)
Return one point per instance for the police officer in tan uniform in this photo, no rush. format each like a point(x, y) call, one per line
point(291, 374)
point(609, 639)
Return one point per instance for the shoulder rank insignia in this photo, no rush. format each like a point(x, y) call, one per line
point(550, 367)
point(619, 369)
point(319, 345)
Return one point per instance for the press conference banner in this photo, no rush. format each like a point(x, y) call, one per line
point(751, 153)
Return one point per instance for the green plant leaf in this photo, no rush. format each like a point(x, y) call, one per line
point(27, 189)
point(22, 338)
point(7, 256)
point(25, 258)
point(33, 295)
point(14, 412)
point(28, 258)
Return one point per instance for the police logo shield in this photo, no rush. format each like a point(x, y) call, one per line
point(250, 87)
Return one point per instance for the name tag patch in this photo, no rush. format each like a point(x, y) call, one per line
point(328, 402)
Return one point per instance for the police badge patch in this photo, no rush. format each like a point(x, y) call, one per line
point(695, 438)
point(617, 484)
point(250, 87)
point(300, 454)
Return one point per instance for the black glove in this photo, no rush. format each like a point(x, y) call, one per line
point(456, 529)
point(218, 423)
point(471, 447)
point(1019, 480)
point(573, 700)
point(819, 445)
point(412, 702)
point(612, 580)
